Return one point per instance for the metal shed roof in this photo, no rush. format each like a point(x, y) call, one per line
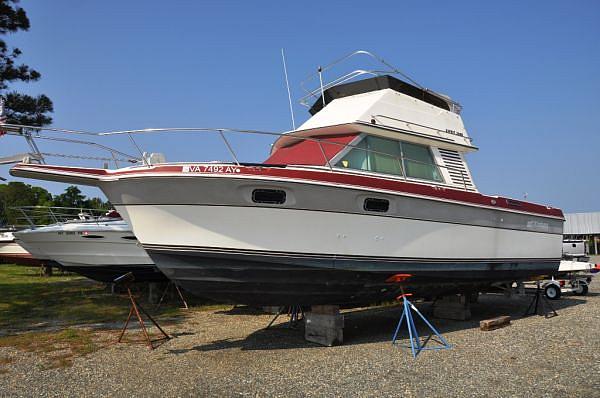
point(582, 223)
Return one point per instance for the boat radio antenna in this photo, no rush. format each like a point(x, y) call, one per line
point(287, 84)
point(320, 70)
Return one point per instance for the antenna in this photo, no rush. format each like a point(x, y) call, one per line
point(287, 84)
point(320, 70)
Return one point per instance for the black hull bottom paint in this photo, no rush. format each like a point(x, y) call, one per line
point(108, 273)
point(287, 279)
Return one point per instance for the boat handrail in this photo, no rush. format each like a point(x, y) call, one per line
point(389, 69)
point(409, 123)
point(147, 161)
point(316, 92)
point(32, 133)
point(36, 216)
point(221, 132)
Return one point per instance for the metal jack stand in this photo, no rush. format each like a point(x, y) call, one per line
point(295, 312)
point(171, 283)
point(416, 345)
point(543, 304)
point(136, 308)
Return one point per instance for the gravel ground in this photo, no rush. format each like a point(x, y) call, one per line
point(227, 353)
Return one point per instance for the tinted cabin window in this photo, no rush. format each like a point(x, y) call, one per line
point(419, 163)
point(385, 155)
point(388, 156)
point(378, 205)
point(271, 196)
point(374, 154)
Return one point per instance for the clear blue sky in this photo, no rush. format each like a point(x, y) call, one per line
point(527, 74)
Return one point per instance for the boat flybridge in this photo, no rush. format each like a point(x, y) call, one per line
point(374, 184)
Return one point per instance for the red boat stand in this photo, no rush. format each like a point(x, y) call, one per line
point(135, 309)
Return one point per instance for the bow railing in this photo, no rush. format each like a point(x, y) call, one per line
point(36, 216)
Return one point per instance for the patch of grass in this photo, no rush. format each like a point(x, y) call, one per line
point(58, 349)
point(29, 300)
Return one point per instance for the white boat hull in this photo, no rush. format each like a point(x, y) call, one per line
point(307, 257)
point(305, 231)
point(320, 244)
point(12, 252)
point(91, 250)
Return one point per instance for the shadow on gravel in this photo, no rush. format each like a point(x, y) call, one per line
point(241, 310)
point(271, 339)
point(375, 325)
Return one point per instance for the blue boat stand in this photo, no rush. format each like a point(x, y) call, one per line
point(416, 345)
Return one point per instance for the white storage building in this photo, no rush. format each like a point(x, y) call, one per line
point(584, 226)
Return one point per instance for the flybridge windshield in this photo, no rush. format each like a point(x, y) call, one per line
point(388, 156)
point(380, 83)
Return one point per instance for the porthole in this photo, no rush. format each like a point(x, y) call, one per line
point(378, 205)
point(270, 196)
point(129, 237)
point(90, 236)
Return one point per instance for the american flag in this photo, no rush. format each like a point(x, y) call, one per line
point(2, 116)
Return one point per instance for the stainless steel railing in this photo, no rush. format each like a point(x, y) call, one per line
point(35, 216)
point(33, 133)
point(222, 133)
point(388, 69)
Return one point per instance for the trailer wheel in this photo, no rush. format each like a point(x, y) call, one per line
point(552, 292)
point(580, 288)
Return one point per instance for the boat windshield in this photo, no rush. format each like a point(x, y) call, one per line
point(384, 155)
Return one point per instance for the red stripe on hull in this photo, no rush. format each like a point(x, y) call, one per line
point(332, 177)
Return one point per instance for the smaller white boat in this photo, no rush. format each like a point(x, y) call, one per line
point(101, 248)
point(569, 266)
point(12, 252)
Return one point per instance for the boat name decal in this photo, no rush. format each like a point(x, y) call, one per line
point(539, 225)
point(454, 132)
point(210, 169)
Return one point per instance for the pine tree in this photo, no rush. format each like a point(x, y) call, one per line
point(19, 108)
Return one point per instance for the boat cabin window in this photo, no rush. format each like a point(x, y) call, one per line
point(384, 155)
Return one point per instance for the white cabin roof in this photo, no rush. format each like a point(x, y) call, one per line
point(388, 108)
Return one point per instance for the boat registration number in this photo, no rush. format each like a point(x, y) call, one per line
point(210, 169)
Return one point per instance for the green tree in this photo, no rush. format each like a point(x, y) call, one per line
point(19, 108)
point(17, 194)
point(97, 203)
point(72, 197)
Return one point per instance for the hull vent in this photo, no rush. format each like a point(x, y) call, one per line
point(455, 165)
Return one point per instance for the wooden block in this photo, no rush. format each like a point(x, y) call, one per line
point(494, 323)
